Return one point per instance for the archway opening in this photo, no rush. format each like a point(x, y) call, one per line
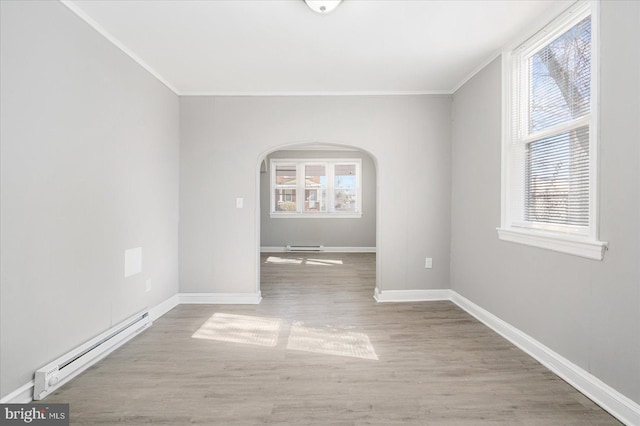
point(315, 199)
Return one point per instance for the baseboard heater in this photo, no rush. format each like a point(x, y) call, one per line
point(305, 248)
point(57, 373)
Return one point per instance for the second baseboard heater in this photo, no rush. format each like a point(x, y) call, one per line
point(305, 248)
point(57, 373)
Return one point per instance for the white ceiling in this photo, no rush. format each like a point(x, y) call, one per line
point(282, 47)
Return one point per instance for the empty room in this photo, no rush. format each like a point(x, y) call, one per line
point(349, 212)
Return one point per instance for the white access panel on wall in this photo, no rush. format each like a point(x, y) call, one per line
point(132, 261)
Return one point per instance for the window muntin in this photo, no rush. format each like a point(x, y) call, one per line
point(331, 188)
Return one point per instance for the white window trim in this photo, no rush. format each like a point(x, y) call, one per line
point(561, 239)
point(300, 189)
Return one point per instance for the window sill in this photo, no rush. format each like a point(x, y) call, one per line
point(315, 215)
point(590, 249)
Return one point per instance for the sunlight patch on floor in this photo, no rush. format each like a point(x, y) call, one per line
point(284, 260)
point(330, 341)
point(240, 329)
point(324, 262)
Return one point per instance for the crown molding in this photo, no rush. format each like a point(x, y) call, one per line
point(316, 93)
point(70, 4)
point(106, 34)
point(476, 70)
point(521, 36)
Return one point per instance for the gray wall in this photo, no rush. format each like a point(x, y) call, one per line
point(89, 147)
point(587, 311)
point(223, 140)
point(361, 232)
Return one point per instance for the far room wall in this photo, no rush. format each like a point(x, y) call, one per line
point(329, 232)
point(224, 139)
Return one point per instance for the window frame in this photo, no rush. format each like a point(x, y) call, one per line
point(330, 165)
point(579, 241)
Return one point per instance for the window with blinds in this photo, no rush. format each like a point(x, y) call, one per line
point(551, 113)
point(555, 138)
point(548, 147)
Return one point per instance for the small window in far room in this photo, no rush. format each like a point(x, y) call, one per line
point(319, 188)
point(285, 187)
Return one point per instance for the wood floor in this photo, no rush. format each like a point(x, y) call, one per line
point(319, 350)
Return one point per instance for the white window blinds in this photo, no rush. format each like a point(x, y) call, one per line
point(557, 179)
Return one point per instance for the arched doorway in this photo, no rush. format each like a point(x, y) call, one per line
point(347, 233)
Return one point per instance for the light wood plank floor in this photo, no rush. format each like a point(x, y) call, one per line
point(307, 355)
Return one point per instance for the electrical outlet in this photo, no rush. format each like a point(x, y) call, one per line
point(428, 263)
point(239, 203)
point(148, 285)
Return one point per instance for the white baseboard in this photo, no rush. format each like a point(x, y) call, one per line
point(164, 307)
point(350, 249)
point(271, 249)
point(618, 405)
point(22, 395)
point(283, 249)
point(411, 295)
point(220, 298)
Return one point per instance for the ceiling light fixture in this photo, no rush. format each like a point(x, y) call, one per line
point(323, 6)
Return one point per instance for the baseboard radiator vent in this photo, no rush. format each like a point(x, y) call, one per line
point(57, 373)
point(305, 248)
